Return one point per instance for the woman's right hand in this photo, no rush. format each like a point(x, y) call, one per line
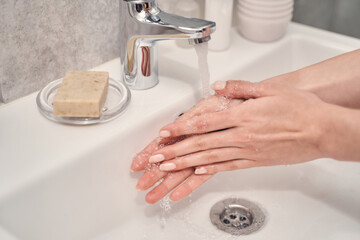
point(171, 180)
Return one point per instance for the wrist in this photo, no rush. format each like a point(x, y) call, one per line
point(327, 139)
point(341, 134)
point(290, 79)
point(307, 79)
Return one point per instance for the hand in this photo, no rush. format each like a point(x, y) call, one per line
point(276, 126)
point(334, 81)
point(173, 179)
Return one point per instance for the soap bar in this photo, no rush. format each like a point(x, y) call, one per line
point(81, 94)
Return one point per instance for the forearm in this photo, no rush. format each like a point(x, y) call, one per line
point(336, 80)
point(341, 136)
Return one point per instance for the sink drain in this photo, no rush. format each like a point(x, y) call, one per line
point(237, 216)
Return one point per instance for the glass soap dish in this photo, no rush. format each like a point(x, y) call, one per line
point(117, 100)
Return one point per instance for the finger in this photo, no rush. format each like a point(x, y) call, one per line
point(214, 103)
point(171, 181)
point(204, 123)
point(204, 105)
point(246, 90)
point(192, 183)
point(195, 144)
point(140, 161)
point(211, 104)
point(204, 158)
point(226, 166)
point(150, 178)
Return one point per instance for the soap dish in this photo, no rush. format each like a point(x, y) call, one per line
point(117, 100)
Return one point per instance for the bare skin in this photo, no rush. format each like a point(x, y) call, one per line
point(152, 173)
point(276, 125)
point(335, 81)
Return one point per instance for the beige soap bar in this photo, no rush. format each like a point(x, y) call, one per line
point(81, 94)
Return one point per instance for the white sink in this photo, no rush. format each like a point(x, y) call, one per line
point(64, 182)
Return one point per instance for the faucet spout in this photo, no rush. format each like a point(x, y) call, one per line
point(143, 23)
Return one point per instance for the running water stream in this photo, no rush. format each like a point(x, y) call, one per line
point(202, 53)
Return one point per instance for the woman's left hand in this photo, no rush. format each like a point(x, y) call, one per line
point(185, 181)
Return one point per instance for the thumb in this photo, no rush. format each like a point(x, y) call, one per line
point(244, 89)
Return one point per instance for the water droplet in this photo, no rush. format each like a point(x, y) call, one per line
point(165, 206)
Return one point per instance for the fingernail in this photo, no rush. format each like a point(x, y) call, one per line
point(201, 170)
point(156, 158)
point(219, 85)
point(164, 133)
point(138, 188)
point(167, 167)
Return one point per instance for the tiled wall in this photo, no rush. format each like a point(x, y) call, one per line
point(40, 40)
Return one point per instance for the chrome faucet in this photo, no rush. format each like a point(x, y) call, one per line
point(142, 24)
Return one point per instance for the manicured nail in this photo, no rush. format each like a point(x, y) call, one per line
point(164, 134)
point(167, 166)
point(201, 170)
point(219, 85)
point(156, 158)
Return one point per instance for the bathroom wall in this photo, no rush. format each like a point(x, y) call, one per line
point(40, 40)
point(342, 16)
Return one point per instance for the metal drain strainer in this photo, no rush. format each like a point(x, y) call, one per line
point(237, 216)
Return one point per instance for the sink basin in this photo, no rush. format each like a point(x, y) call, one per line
point(65, 182)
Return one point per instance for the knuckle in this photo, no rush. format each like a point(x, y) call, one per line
point(191, 160)
point(170, 152)
point(211, 157)
point(178, 128)
point(182, 162)
point(236, 139)
point(226, 114)
point(201, 124)
point(244, 138)
point(212, 169)
point(199, 143)
point(233, 165)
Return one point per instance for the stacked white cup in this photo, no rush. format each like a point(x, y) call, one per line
point(264, 20)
